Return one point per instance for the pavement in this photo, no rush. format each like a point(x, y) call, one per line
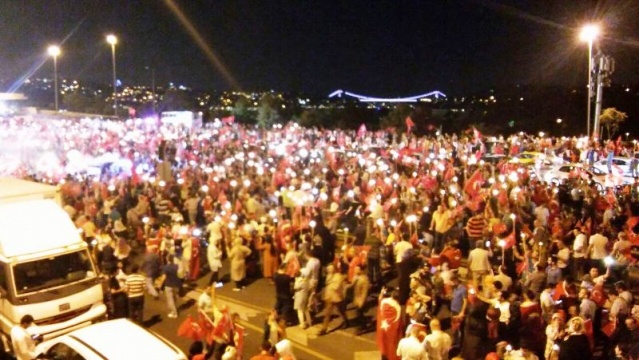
point(253, 304)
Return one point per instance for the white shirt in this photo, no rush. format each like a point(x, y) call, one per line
point(563, 256)
point(23, 344)
point(542, 214)
point(598, 243)
point(215, 231)
point(437, 345)
point(411, 349)
point(400, 249)
point(478, 260)
point(579, 246)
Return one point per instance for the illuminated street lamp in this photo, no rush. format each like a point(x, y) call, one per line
point(54, 52)
point(588, 34)
point(112, 39)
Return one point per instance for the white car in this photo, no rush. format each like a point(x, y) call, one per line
point(621, 163)
point(559, 173)
point(118, 339)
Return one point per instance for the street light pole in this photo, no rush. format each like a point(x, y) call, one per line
point(589, 33)
point(54, 51)
point(589, 84)
point(112, 39)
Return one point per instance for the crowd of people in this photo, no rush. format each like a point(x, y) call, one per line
point(452, 253)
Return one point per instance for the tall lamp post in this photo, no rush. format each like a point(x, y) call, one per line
point(112, 39)
point(54, 51)
point(588, 34)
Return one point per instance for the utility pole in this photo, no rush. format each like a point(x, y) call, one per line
point(605, 66)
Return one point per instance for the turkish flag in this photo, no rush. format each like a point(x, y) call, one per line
point(223, 328)
point(190, 329)
point(206, 325)
point(389, 315)
point(473, 184)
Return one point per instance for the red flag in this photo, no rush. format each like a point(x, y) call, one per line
point(224, 327)
point(229, 119)
point(206, 325)
point(190, 329)
point(409, 124)
point(238, 339)
point(473, 184)
point(388, 327)
point(476, 133)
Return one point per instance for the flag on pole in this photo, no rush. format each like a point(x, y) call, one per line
point(476, 133)
point(473, 184)
point(409, 124)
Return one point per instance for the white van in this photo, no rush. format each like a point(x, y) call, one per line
point(118, 339)
point(46, 269)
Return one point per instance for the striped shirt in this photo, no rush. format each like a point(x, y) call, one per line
point(135, 284)
point(475, 227)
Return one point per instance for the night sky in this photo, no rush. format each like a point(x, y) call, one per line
point(375, 47)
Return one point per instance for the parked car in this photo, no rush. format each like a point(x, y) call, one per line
point(118, 339)
point(559, 173)
point(621, 163)
point(532, 157)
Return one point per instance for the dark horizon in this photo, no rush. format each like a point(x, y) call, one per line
point(381, 48)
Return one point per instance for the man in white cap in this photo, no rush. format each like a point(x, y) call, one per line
point(410, 348)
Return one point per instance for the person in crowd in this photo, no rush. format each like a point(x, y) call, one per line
point(479, 263)
point(270, 256)
point(555, 332)
point(135, 285)
point(438, 343)
point(597, 251)
point(152, 268)
point(575, 344)
point(118, 301)
point(333, 297)
point(411, 347)
point(237, 255)
point(448, 190)
point(302, 290)
point(441, 223)
point(284, 350)
point(265, 352)
point(172, 285)
point(361, 286)
point(22, 341)
point(284, 303)
point(214, 258)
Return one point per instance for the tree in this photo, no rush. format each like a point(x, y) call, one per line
point(396, 118)
point(267, 114)
point(177, 100)
point(611, 118)
point(242, 111)
point(83, 103)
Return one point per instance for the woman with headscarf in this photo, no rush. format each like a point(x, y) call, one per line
point(269, 259)
point(284, 350)
point(237, 255)
point(575, 345)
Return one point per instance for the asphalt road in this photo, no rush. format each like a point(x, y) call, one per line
point(253, 304)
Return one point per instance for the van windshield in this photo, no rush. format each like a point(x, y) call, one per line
point(53, 271)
